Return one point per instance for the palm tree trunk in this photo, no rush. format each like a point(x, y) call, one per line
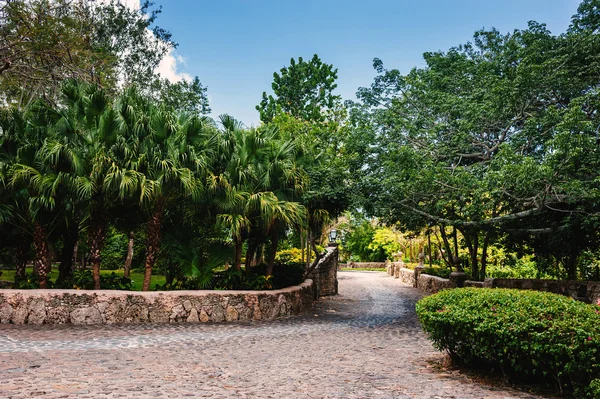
point(129, 258)
point(237, 256)
point(153, 237)
point(75, 256)
point(65, 270)
point(42, 254)
point(97, 237)
point(302, 246)
point(272, 251)
point(250, 255)
point(21, 259)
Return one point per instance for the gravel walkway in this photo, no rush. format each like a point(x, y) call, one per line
point(365, 343)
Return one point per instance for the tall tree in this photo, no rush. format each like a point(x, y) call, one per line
point(304, 90)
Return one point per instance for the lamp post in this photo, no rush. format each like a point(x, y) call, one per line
point(332, 237)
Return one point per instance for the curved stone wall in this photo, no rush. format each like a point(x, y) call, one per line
point(109, 307)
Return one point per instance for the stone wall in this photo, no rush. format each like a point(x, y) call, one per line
point(407, 276)
point(325, 274)
point(423, 281)
point(108, 307)
point(585, 291)
point(433, 284)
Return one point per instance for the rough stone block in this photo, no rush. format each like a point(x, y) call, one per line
point(89, 315)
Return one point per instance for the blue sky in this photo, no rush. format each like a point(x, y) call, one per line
point(234, 46)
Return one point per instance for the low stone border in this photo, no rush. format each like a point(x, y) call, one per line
point(585, 291)
point(109, 307)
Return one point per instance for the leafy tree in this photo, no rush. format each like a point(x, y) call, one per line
point(304, 90)
point(44, 43)
point(494, 137)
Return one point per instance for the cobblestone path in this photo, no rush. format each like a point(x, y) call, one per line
point(365, 343)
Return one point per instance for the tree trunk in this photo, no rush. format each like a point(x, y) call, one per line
point(97, 237)
point(486, 243)
point(65, 270)
point(272, 251)
point(250, 255)
point(129, 259)
point(571, 263)
point(473, 245)
point(301, 246)
point(308, 235)
point(237, 256)
point(455, 237)
point(20, 258)
point(75, 255)
point(448, 256)
point(42, 254)
point(153, 237)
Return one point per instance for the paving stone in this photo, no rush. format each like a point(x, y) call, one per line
point(364, 343)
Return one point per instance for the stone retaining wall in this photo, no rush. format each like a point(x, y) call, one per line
point(585, 291)
point(324, 276)
point(108, 307)
point(423, 281)
point(407, 276)
point(433, 284)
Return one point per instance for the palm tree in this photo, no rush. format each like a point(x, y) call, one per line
point(257, 185)
point(44, 180)
point(85, 132)
point(171, 154)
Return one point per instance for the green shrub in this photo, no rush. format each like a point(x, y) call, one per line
point(528, 334)
point(289, 255)
point(593, 390)
point(287, 275)
point(115, 282)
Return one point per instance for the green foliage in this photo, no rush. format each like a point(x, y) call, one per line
point(477, 137)
point(593, 390)
point(286, 256)
point(527, 334)
point(232, 279)
point(29, 282)
point(115, 282)
point(387, 241)
point(369, 242)
point(518, 268)
point(115, 250)
point(304, 90)
point(288, 274)
point(358, 240)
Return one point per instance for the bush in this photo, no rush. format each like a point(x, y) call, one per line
point(293, 255)
point(287, 275)
point(593, 390)
point(528, 334)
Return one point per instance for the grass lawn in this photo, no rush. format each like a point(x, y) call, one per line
point(137, 278)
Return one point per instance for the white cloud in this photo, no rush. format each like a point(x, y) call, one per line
point(168, 68)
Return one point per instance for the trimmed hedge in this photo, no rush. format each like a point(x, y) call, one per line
point(528, 334)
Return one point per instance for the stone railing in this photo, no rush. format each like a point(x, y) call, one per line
point(585, 291)
point(108, 307)
point(419, 280)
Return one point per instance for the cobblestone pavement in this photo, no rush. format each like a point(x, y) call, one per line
point(365, 343)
